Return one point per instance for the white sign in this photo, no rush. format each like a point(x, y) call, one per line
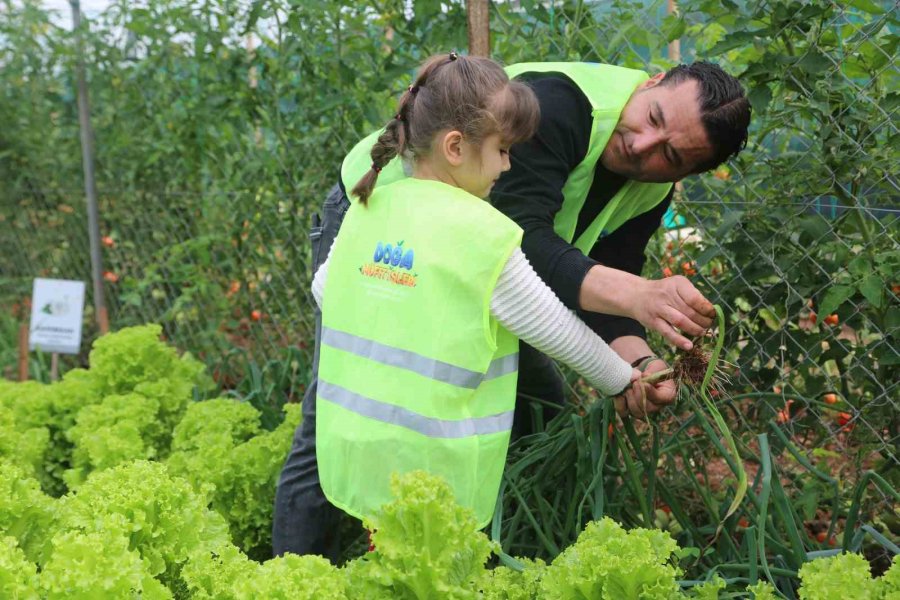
point(56, 310)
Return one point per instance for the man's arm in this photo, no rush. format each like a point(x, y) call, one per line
point(530, 193)
point(625, 249)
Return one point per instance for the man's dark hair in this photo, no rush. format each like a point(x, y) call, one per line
point(724, 109)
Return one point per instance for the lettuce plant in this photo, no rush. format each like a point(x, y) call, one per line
point(162, 517)
point(292, 577)
point(217, 446)
point(708, 590)
point(426, 545)
point(223, 422)
point(607, 562)
point(129, 357)
point(502, 583)
point(18, 575)
point(838, 577)
point(113, 432)
point(98, 564)
point(762, 590)
point(225, 573)
point(22, 445)
point(26, 513)
point(213, 573)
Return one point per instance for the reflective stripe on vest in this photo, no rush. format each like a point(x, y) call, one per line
point(417, 363)
point(414, 372)
point(401, 417)
point(608, 89)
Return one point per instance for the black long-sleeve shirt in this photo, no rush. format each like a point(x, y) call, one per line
point(530, 193)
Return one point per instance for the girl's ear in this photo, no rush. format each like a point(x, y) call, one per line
point(451, 146)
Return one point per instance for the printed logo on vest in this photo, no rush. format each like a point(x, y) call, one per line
point(392, 263)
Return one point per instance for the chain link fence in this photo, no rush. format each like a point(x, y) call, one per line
point(797, 239)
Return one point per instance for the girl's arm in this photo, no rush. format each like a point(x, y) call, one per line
point(318, 283)
point(528, 308)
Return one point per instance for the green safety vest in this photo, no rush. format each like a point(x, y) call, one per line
point(608, 89)
point(414, 372)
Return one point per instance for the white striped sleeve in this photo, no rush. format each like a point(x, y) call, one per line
point(528, 308)
point(318, 282)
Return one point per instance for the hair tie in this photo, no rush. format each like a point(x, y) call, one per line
point(398, 116)
point(376, 168)
point(454, 55)
point(413, 89)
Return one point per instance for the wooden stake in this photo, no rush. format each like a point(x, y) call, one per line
point(54, 366)
point(23, 352)
point(478, 17)
point(675, 56)
point(103, 320)
point(674, 45)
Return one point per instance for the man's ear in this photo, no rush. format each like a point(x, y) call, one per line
point(652, 81)
point(450, 145)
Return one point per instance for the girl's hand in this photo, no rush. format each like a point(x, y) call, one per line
point(655, 397)
point(635, 376)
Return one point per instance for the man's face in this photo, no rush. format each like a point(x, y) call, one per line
point(659, 136)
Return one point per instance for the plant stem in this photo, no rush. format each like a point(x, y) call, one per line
point(658, 376)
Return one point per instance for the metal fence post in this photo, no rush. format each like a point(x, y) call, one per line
point(90, 188)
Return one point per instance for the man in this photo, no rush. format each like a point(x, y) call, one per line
point(688, 120)
point(588, 190)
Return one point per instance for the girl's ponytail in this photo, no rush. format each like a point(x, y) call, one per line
point(470, 94)
point(391, 143)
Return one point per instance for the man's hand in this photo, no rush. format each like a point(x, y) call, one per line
point(671, 306)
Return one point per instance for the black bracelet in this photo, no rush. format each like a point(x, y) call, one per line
point(643, 361)
point(638, 361)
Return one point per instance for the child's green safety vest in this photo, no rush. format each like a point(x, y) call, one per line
point(608, 89)
point(414, 372)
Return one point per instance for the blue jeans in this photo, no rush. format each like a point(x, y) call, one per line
point(305, 522)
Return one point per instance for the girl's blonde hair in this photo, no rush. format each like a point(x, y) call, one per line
point(469, 94)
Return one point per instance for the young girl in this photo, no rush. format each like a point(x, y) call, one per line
point(425, 295)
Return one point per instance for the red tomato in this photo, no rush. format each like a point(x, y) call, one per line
point(688, 268)
point(832, 319)
point(830, 398)
point(255, 315)
point(110, 277)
